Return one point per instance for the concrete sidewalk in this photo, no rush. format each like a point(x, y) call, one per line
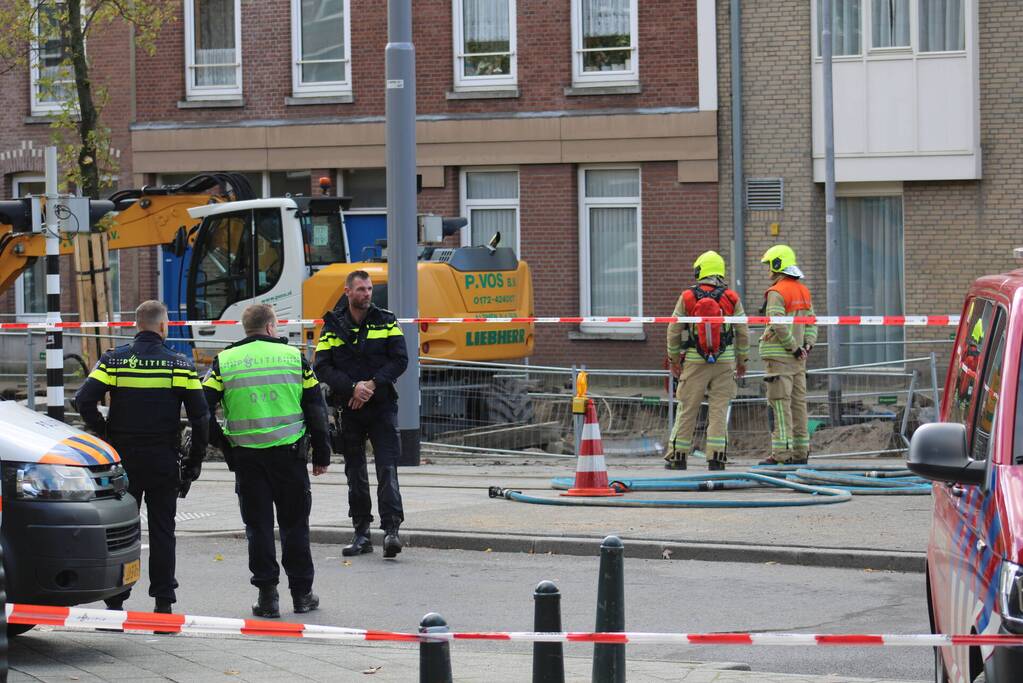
point(447, 506)
point(64, 655)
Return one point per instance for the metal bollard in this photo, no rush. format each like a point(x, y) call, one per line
point(548, 658)
point(608, 659)
point(434, 656)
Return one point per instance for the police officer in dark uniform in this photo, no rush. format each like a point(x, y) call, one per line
point(273, 409)
point(148, 383)
point(360, 355)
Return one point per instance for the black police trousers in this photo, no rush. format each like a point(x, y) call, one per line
point(267, 479)
point(153, 474)
point(378, 423)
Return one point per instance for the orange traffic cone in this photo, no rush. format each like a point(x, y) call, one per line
point(591, 470)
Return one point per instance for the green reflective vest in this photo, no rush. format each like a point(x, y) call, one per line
point(262, 385)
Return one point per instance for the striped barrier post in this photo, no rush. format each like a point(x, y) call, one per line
point(54, 335)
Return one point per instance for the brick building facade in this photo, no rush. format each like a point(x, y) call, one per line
point(581, 89)
point(25, 131)
point(649, 116)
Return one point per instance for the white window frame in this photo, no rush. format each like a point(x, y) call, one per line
point(867, 33)
point(585, 203)
point(470, 83)
point(37, 107)
point(467, 204)
point(325, 88)
point(867, 49)
point(597, 78)
point(220, 92)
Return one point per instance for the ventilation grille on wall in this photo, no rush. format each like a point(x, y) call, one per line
point(765, 194)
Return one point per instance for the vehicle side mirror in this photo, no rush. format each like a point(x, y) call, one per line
point(938, 452)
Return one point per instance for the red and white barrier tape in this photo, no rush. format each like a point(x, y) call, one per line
point(92, 619)
point(850, 320)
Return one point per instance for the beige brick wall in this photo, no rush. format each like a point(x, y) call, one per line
point(777, 135)
point(954, 230)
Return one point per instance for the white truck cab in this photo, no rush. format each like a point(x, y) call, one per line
point(259, 251)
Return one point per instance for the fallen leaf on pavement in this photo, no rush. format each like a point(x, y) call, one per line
point(372, 670)
point(489, 550)
point(347, 563)
point(666, 554)
point(218, 558)
point(231, 672)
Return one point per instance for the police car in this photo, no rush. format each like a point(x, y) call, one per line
point(975, 454)
point(70, 530)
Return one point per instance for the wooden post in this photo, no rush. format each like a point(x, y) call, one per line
point(92, 265)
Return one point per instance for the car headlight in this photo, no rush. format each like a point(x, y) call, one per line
point(34, 481)
point(1010, 596)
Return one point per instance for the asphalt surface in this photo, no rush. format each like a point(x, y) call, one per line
point(811, 569)
point(493, 591)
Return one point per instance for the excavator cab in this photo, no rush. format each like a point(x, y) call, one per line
point(258, 251)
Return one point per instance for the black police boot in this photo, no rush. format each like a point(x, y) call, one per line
point(268, 605)
point(163, 607)
point(305, 602)
point(360, 545)
point(392, 544)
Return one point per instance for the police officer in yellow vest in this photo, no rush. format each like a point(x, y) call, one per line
point(273, 408)
point(785, 348)
point(703, 371)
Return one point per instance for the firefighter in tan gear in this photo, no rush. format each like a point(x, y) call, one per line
point(785, 347)
point(706, 358)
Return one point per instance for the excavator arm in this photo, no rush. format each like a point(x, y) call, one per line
point(145, 217)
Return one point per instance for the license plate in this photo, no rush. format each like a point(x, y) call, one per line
point(131, 572)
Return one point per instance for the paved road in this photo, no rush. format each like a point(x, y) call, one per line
point(492, 591)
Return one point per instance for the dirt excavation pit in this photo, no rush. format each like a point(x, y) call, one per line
point(859, 438)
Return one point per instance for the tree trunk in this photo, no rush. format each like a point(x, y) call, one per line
point(89, 116)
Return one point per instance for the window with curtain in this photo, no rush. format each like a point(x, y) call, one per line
point(889, 23)
point(319, 38)
point(870, 235)
point(484, 42)
point(491, 204)
point(52, 81)
point(215, 55)
point(942, 25)
point(845, 27)
point(610, 241)
point(605, 39)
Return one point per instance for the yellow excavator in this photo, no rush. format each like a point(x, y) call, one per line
point(293, 253)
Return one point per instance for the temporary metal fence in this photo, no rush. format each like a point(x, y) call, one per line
point(500, 408)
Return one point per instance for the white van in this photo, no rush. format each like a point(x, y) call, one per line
point(70, 530)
